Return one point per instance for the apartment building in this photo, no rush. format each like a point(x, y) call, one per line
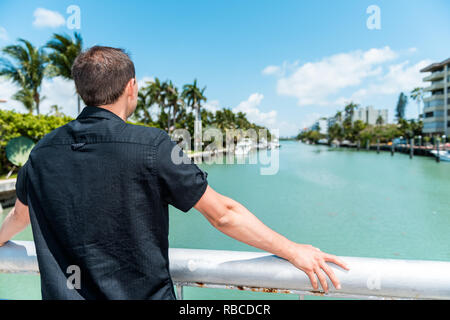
point(436, 111)
point(370, 115)
point(321, 125)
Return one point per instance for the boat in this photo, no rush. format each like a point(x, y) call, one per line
point(262, 144)
point(274, 144)
point(444, 155)
point(243, 147)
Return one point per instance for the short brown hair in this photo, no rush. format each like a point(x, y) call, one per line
point(101, 75)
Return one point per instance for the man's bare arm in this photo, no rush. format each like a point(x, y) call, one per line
point(16, 220)
point(234, 220)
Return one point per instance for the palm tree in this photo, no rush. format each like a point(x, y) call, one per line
point(157, 92)
point(379, 121)
point(27, 70)
point(338, 116)
point(26, 97)
point(194, 96)
point(174, 103)
point(56, 111)
point(417, 95)
point(401, 106)
point(143, 106)
point(350, 111)
point(64, 52)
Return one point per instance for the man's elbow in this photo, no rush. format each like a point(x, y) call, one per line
point(21, 213)
point(21, 217)
point(227, 219)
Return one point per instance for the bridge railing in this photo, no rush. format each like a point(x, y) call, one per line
point(368, 278)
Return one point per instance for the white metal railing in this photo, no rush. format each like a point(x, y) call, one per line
point(368, 278)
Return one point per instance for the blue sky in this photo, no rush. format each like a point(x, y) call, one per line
point(285, 63)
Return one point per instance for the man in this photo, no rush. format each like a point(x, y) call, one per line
point(97, 192)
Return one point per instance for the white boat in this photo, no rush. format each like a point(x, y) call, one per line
point(262, 144)
point(243, 147)
point(274, 144)
point(444, 155)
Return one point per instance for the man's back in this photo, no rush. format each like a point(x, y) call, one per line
point(98, 190)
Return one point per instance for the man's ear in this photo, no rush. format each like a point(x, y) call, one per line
point(130, 87)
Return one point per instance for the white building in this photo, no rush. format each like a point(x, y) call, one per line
point(321, 125)
point(436, 112)
point(370, 115)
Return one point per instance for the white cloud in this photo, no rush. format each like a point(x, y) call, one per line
point(250, 108)
point(7, 90)
point(61, 92)
point(271, 70)
point(212, 105)
point(3, 34)
point(143, 81)
point(47, 18)
point(280, 71)
point(309, 119)
point(57, 91)
point(315, 83)
point(400, 77)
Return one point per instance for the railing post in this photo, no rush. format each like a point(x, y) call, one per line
point(438, 156)
point(411, 148)
point(180, 290)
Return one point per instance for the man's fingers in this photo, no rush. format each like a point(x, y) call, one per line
point(331, 275)
point(322, 279)
point(336, 260)
point(312, 278)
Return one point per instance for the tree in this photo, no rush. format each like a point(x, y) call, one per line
point(194, 96)
point(142, 112)
point(335, 132)
point(358, 127)
point(417, 95)
point(26, 97)
point(174, 104)
point(349, 111)
point(27, 69)
point(157, 92)
point(63, 54)
point(56, 111)
point(379, 121)
point(338, 116)
point(401, 106)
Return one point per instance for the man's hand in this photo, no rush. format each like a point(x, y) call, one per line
point(312, 261)
point(233, 219)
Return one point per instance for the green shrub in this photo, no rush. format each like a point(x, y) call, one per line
point(14, 124)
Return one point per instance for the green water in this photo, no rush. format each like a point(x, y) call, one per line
point(345, 202)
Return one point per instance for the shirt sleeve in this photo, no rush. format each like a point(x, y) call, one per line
point(182, 182)
point(21, 184)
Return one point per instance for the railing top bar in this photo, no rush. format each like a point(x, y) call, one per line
point(258, 271)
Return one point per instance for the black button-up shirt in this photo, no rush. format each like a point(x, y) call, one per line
point(98, 191)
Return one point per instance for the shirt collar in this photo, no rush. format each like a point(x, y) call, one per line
point(97, 112)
